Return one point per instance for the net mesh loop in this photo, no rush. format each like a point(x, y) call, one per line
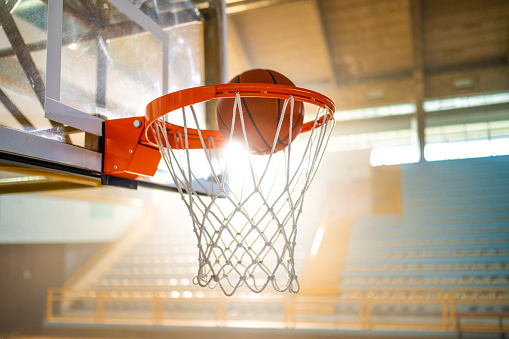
point(245, 213)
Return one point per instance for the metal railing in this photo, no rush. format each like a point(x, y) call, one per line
point(410, 310)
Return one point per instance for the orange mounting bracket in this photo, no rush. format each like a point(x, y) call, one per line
point(124, 155)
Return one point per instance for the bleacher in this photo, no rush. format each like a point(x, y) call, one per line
point(453, 231)
point(452, 235)
point(164, 258)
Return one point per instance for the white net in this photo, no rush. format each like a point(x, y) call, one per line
point(245, 214)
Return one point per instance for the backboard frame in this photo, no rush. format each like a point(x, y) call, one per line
point(33, 150)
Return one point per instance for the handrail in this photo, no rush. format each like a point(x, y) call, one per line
point(292, 306)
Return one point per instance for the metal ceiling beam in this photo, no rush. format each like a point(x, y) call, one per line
point(332, 72)
point(15, 112)
point(416, 28)
point(85, 17)
point(92, 10)
point(22, 52)
point(40, 45)
point(10, 4)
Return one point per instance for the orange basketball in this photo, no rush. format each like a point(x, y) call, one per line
point(261, 115)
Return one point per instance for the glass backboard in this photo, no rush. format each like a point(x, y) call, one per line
point(67, 66)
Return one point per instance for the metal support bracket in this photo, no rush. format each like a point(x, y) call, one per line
point(124, 156)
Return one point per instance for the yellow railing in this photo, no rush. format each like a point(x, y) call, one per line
point(288, 311)
point(476, 297)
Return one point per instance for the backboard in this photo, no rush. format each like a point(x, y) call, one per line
point(67, 66)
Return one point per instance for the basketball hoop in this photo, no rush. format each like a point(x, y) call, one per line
point(245, 214)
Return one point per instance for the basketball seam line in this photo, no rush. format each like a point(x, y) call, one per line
point(258, 149)
point(237, 137)
point(254, 124)
point(294, 127)
point(279, 114)
point(278, 108)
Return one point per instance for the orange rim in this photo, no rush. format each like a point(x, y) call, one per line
point(176, 100)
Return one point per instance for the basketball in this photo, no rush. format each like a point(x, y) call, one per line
point(261, 115)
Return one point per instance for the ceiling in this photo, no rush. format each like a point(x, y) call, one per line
point(367, 53)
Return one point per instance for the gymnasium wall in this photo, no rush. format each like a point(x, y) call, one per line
point(43, 218)
point(28, 270)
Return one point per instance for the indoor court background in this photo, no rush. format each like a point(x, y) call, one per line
point(390, 243)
